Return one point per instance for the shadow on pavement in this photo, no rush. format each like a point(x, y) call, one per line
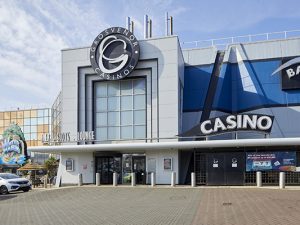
point(7, 197)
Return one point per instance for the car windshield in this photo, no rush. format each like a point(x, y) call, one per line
point(9, 176)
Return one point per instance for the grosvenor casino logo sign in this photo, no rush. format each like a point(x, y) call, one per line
point(114, 53)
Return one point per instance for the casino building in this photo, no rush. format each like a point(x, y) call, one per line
point(150, 105)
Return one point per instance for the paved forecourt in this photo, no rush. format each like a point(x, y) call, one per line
point(142, 205)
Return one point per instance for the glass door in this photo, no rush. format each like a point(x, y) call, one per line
point(139, 168)
point(106, 166)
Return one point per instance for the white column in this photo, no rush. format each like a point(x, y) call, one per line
point(282, 180)
point(97, 179)
point(79, 179)
point(193, 179)
point(133, 179)
point(115, 179)
point(258, 179)
point(153, 182)
point(173, 179)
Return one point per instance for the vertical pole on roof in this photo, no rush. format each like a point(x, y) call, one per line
point(132, 27)
point(146, 27)
point(167, 24)
point(127, 23)
point(171, 25)
point(150, 28)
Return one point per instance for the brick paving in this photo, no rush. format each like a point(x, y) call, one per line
point(145, 205)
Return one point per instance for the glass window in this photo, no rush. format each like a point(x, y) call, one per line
point(113, 118)
point(27, 113)
point(101, 119)
point(120, 109)
point(139, 101)
point(139, 117)
point(27, 136)
point(33, 136)
point(113, 133)
point(7, 115)
point(13, 115)
point(101, 89)
point(20, 114)
point(101, 104)
point(33, 121)
point(33, 113)
point(27, 121)
point(40, 113)
point(40, 120)
point(113, 88)
point(101, 133)
point(126, 87)
point(46, 120)
point(113, 103)
point(139, 86)
point(126, 118)
point(46, 112)
point(139, 131)
point(26, 129)
point(33, 129)
point(126, 103)
point(126, 132)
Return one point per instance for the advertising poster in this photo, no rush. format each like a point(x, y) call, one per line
point(167, 164)
point(276, 161)
point(13, 146)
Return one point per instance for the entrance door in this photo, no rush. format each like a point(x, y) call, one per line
point(235, 167)
point(215, 169)
point(225, 168)
point(139, 168)
point(106, 166)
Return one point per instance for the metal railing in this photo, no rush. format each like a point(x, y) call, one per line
point(222, 43)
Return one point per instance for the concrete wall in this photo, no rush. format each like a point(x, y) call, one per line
point(83, 163)
point(163, 176)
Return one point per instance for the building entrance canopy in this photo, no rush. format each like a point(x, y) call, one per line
point(168, 145)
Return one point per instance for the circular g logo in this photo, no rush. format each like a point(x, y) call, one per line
point(114, 53)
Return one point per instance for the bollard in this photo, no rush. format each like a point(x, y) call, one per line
point(173, 179)
point(97, 179)
point(115, 179)
point(45, 181)
point(282, 180)
point(133, 179)
point(153, 182)
point(193, 180)
point(258, 179)
point(79, 179)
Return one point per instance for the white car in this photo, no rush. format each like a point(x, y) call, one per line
point(10, 182)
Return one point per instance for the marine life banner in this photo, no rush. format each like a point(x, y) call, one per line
point(13, 150)
point(276, 161)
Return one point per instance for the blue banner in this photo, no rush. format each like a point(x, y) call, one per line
point(276, 161)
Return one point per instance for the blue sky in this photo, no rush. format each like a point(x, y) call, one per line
point(32, 33)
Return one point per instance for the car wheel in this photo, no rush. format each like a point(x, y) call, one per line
point(3, 190)
point(26, 189)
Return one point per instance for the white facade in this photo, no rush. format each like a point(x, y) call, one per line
point(161, 63)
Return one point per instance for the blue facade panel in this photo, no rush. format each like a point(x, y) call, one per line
point(241, 87)
point(196, 82)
